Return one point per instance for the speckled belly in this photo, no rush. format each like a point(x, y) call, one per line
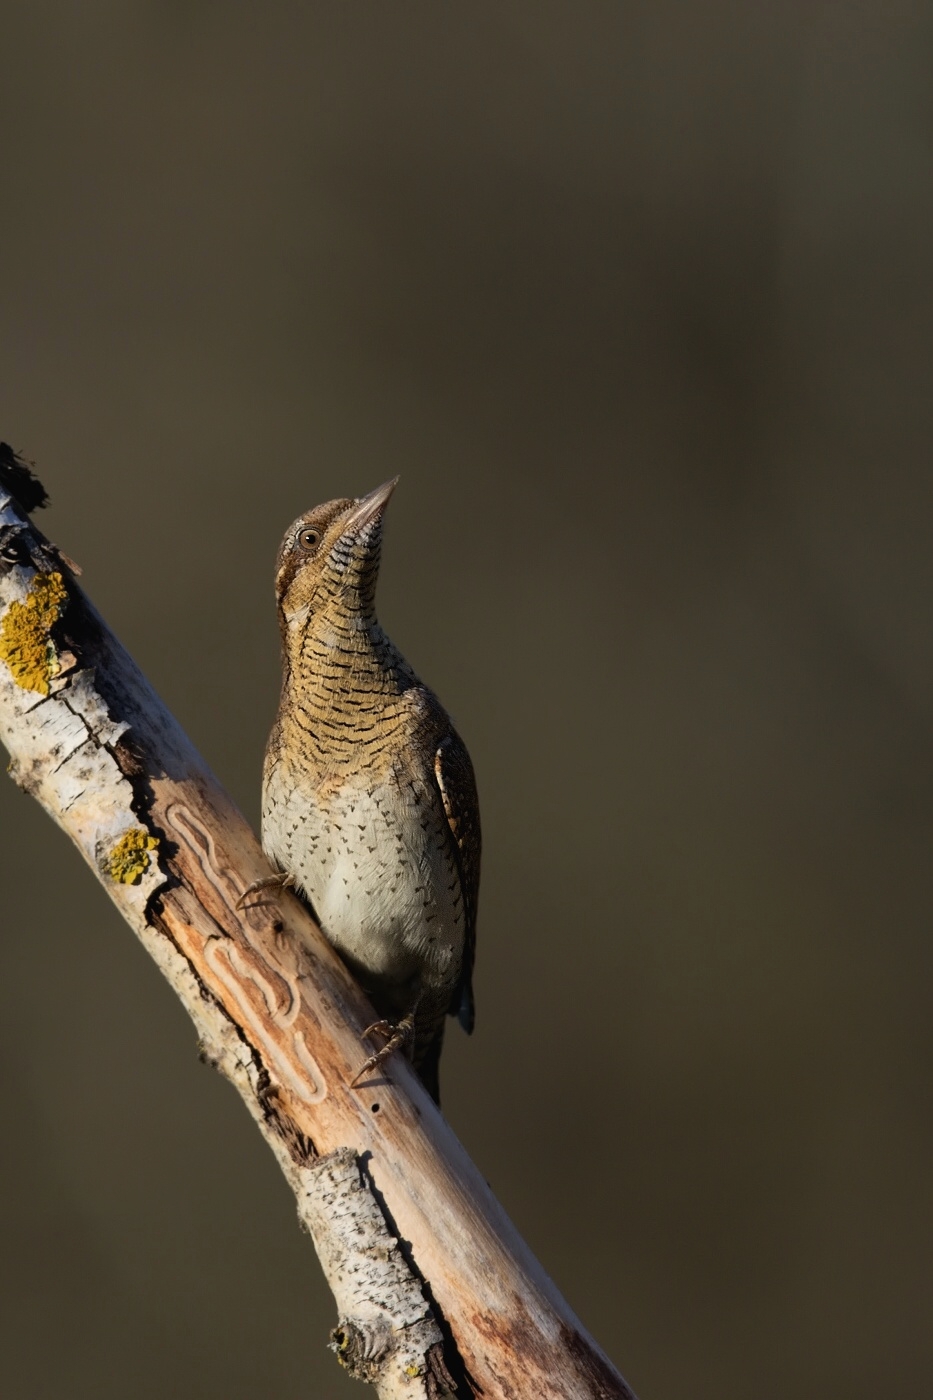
point(377, 866)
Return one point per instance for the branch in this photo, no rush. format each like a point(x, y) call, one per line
point(431, 1280)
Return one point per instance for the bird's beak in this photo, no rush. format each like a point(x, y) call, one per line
point(370, 507)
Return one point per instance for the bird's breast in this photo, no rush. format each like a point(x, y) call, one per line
point(374, 857)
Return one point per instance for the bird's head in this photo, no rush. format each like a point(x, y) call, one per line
point(329, 559)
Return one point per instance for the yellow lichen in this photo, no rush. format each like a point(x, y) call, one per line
point(25, 642)
point(129, 859)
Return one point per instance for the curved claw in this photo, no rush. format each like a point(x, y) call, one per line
point(364, 1069)
point(386, 1028)
point(397, 1036)
point(268, 882)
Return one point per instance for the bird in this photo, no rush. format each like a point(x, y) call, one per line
point(369, 802)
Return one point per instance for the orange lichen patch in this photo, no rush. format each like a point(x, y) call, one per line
point(129, 859)
point(25, 641)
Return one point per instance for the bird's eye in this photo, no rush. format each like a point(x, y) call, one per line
point(308, 539)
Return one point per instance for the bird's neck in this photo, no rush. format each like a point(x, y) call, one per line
point(341, 666)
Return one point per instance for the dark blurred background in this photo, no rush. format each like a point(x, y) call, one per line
point(638, 299)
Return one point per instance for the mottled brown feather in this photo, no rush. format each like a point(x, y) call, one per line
point(457, 783)
point(365, 779)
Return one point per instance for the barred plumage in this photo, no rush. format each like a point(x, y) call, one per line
point(369, 800)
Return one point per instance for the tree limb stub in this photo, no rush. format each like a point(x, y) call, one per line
point(279, 1014)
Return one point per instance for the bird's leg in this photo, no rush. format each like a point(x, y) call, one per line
point(397, 1034)
point(268, 882)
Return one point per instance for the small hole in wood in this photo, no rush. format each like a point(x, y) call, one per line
point(375, 1108)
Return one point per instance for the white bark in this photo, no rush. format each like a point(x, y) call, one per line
point(385, 1323)
point(278, 1013)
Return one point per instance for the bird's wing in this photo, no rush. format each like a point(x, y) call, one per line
point(453, 772)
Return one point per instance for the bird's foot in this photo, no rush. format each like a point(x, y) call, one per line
point(278, 883)
point(397, 1034)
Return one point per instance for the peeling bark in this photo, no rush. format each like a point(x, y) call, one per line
point(278, 1013)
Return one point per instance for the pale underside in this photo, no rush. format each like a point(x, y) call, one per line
point(377, 865)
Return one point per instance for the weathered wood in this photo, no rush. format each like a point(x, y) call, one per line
point(279, 1014)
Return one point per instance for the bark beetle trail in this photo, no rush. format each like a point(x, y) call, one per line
point(275, 1010)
